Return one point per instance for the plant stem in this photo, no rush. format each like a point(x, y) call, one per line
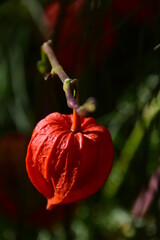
point(68, 84)
point(56, 67)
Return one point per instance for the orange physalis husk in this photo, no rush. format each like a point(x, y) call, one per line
point(67, 166)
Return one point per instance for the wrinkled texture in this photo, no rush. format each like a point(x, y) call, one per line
point(66, 166)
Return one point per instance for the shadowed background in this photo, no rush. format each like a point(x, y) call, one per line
point(112, 47)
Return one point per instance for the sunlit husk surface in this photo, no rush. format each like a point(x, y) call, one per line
point(66, 166)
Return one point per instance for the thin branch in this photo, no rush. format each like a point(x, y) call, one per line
point(69, 85)
point(56, 67)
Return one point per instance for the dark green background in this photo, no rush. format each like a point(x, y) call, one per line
point(125, 84)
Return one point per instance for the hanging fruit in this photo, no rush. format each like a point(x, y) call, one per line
point(69, 157)
point(65, 165)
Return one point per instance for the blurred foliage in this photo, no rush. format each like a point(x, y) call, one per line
point(110, 46)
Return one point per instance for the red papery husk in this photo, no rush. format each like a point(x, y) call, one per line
point(67, 166)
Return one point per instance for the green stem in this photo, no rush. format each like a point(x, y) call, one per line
point(68, 84)
point(56, 67)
